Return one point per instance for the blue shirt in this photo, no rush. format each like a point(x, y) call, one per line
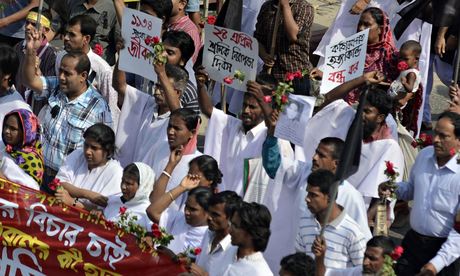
point(15, 29)
point(435, 192)
point(64, 133)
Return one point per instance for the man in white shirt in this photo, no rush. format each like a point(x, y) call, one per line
point(217, 240)
point(432, 246)
point(374, 258)
point(249, 231)
point(346, 242)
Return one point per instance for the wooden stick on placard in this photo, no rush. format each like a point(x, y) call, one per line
point(39, 17)
point(275, 35)
point(212, 85)
point(223, 97)
point(457, 61)
point(333, 194)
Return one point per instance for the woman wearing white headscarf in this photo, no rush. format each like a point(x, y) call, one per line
point(136, 185)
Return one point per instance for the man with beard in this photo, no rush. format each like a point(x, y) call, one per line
point(374, 258)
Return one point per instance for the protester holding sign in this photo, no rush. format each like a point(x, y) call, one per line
point(292, 39)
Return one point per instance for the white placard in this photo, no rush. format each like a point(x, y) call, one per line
point(344, 61)
point(293, 120)
point(226, 51)
point(136, 27)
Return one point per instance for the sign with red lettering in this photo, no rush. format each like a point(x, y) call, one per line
point(344, 61)
point(227, 52)
point(38, 236)
point(138, 27)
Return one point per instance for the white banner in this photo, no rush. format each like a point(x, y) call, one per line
point(136, 27)
point(226, 51)
point(293, 120)
point(344, 61)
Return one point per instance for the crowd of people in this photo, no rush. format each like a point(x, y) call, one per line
point(255, 204)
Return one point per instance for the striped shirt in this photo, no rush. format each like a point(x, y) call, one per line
point(64, 121)
point(186, 24)
point(189, 98)
point(345, 242)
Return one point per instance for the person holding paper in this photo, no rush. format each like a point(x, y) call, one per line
point(292, 39)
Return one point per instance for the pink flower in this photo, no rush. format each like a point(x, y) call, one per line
point(8, 148)
point(98, 49)
point(197, 251)
point(290, 76)
point(211, 20)
point(402, 66)
point(156, 40)
point(228, 80)
point(55, 184)
point(452, 151)
point(268, 99)
point(284, 99)
point(397, 253)
point(123, 210)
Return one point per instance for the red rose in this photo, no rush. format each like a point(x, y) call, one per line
point(428, 141)
point(268, 99)
point(55, 184)
point(156, 40)
point(414, 144)
point(390, 168)
point(452, 151)
point(423, 136)
point(228, 80)
point(298, 74)
point(155, 227)
point(123, 210)
point(290, 76)
point(157, 233)
point(284, 99)
point(197, 251)
point(402, 66)
point(110, 224)
point(148, 40)
point(98, 49)
point(8, 148)
point(211, 20)
point(397, 253)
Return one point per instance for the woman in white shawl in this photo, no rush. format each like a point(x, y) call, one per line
point(136, 185)
point(90, 175)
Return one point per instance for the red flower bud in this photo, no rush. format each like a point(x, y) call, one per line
point(211, 20)
point(123, 210)
point(390, 168)
point(290, 76)
point(397, 253)
point(284, 99)
point(402, 66)
point(148, 40)
point(157, 233)
point(98, 49)
point(228, 80)
point(197, 251)
point(156, 39)
point(8, 148)
point(268, 99)
point(298, 74)
point(414, 144)
point(452, 151)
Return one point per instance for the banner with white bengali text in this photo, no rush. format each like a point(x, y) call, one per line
point(344, 61)
point(38, 236)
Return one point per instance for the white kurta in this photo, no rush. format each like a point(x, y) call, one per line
point(185, 236)
point(230, 146)
point(104, 180)
point(112, 211)
point(254, 265)
point(15, 174)
point(140, 130)
point(211, 261)
point(9, 103)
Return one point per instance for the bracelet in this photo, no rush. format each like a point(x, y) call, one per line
point(171, 196)
point(167, 174)
point(75, 202)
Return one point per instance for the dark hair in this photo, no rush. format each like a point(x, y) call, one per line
point(264, 78)
point(83, 64)
point(199, 59)
point(377, 14)
point(9, 63)
point(413, 46)
point(379, 99)
point(255, 220)
point(181, 40)
point(298, 264)
point(103, 135)
point(20, 126)
point(179, 75)
point(382, 242)
point(133, 171)
point(323, 179)
point(209, 167)
point(202, 195)
point(188, 116)
point(87, 25)
point(163, 8)
point(46, 13)
point(454, 119)
point(337, 145)
point(231, 200)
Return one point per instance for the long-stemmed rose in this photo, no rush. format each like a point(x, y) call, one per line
point(280, 97)
point(392, 174)
point(238, 75)
point(158, 50)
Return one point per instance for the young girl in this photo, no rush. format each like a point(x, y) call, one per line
point(90, 175)
point(136, 185)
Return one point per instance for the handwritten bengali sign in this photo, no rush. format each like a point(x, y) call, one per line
point(136, 27)
point(40, 237)
point(344, 61)
point(226, 51)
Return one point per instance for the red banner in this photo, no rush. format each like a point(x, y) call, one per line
point(38, 236)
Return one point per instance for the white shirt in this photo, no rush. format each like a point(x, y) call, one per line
point(254, 265)
point(112, 211)
point(345, 242)
point(14, 173)
point(105, 180)
point(185, 236)
point(230, 146)
point(211, 261)
point(351, 271)
point(435, 192)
